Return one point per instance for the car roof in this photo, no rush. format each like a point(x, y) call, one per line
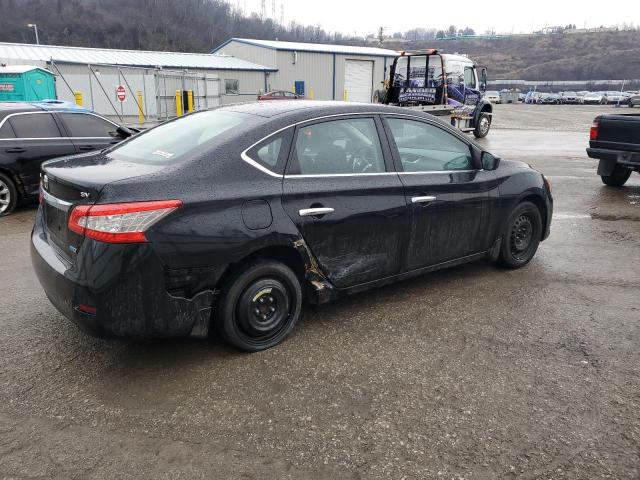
point(44, 105)
point(297, 110)
point(10, 107)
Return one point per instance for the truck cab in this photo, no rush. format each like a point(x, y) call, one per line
point(441, 84)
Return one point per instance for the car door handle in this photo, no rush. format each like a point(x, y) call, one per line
point(86, 147)
point(312, 212)
point(425, 199)
point(16, 150)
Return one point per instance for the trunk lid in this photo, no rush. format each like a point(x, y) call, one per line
point(78, 180)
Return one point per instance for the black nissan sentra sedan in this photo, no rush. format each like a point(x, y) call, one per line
point(226, 220)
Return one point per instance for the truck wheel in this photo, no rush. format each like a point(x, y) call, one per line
point(618, 178)
point(482, 126)
point(379, 96)
point(8, 195)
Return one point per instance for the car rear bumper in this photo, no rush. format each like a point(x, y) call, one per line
point(630, 159)
point(122, 285)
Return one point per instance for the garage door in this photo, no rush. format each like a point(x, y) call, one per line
point(358, 80)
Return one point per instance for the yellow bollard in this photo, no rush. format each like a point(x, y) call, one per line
point(78, 95)
point(189, 101)
point(345, 95)
point(312, 94)
point(140, 108)
point(178, 103)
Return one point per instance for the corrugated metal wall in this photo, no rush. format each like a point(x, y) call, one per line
point(158, 86)
point(244, 51)
point(315, 69)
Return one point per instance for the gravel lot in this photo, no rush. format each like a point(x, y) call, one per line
point(470, 373)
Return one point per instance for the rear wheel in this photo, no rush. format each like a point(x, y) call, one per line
point(260, 306)
point(8, 195)
point(482, 126)
point(618, 178)
point(521, 237)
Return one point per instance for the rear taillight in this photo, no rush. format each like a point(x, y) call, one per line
point(119, 222)
point(593, 133)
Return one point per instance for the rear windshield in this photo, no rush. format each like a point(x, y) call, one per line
point(173, 141)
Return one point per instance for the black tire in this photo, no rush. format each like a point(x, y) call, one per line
point(259, 306)
point(521, 237)
point(483, 125)
point(618, 178)
point(8, 195)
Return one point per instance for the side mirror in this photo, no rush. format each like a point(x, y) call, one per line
point(489, 161)
point(124, 132)
point(483, 79)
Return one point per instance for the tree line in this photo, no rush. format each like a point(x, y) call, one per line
point(171, 25)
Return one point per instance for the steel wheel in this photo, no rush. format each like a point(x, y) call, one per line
point(521, 237)
point(260, 305)
point(263, 309)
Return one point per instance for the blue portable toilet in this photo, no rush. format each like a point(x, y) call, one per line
point(26, 83)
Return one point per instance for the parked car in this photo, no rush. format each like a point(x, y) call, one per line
point(280, 95)
point(595, 98)
point(31, 133)
point(616, 97)
point(569, 98)
point(237, 214)
point(634, 100)
point(492, 96)
point(549, 99)
point(615, 141)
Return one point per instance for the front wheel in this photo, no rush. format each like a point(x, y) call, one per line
point(521, 237)
point(8, 195)
point(618, 178)
point(260, 306)
point(482, 126)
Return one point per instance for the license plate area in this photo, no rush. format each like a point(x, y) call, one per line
point(56, 224)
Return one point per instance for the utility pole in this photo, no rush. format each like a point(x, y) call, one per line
point(381, 35)
point(282, 14)
point(35, 28)
point(273, 10)
point(263, 9)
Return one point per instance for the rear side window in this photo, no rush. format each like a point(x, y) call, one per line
point(427, 148)
point(272, 152)
point(6, 131)
point(36, 125)
point(338, 147)
point(83, 125)
point(173, 141)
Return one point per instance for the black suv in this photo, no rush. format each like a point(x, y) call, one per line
point(31, 133)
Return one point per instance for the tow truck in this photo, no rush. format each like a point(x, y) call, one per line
point(441, 84)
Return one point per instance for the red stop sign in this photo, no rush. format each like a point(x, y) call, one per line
point(121, 93)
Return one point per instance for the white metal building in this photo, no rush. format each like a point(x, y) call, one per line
point(96, 72)
point(323, 72)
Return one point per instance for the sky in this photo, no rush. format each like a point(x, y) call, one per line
point(504, 16)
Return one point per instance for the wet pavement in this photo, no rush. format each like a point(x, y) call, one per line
point(474, 372)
